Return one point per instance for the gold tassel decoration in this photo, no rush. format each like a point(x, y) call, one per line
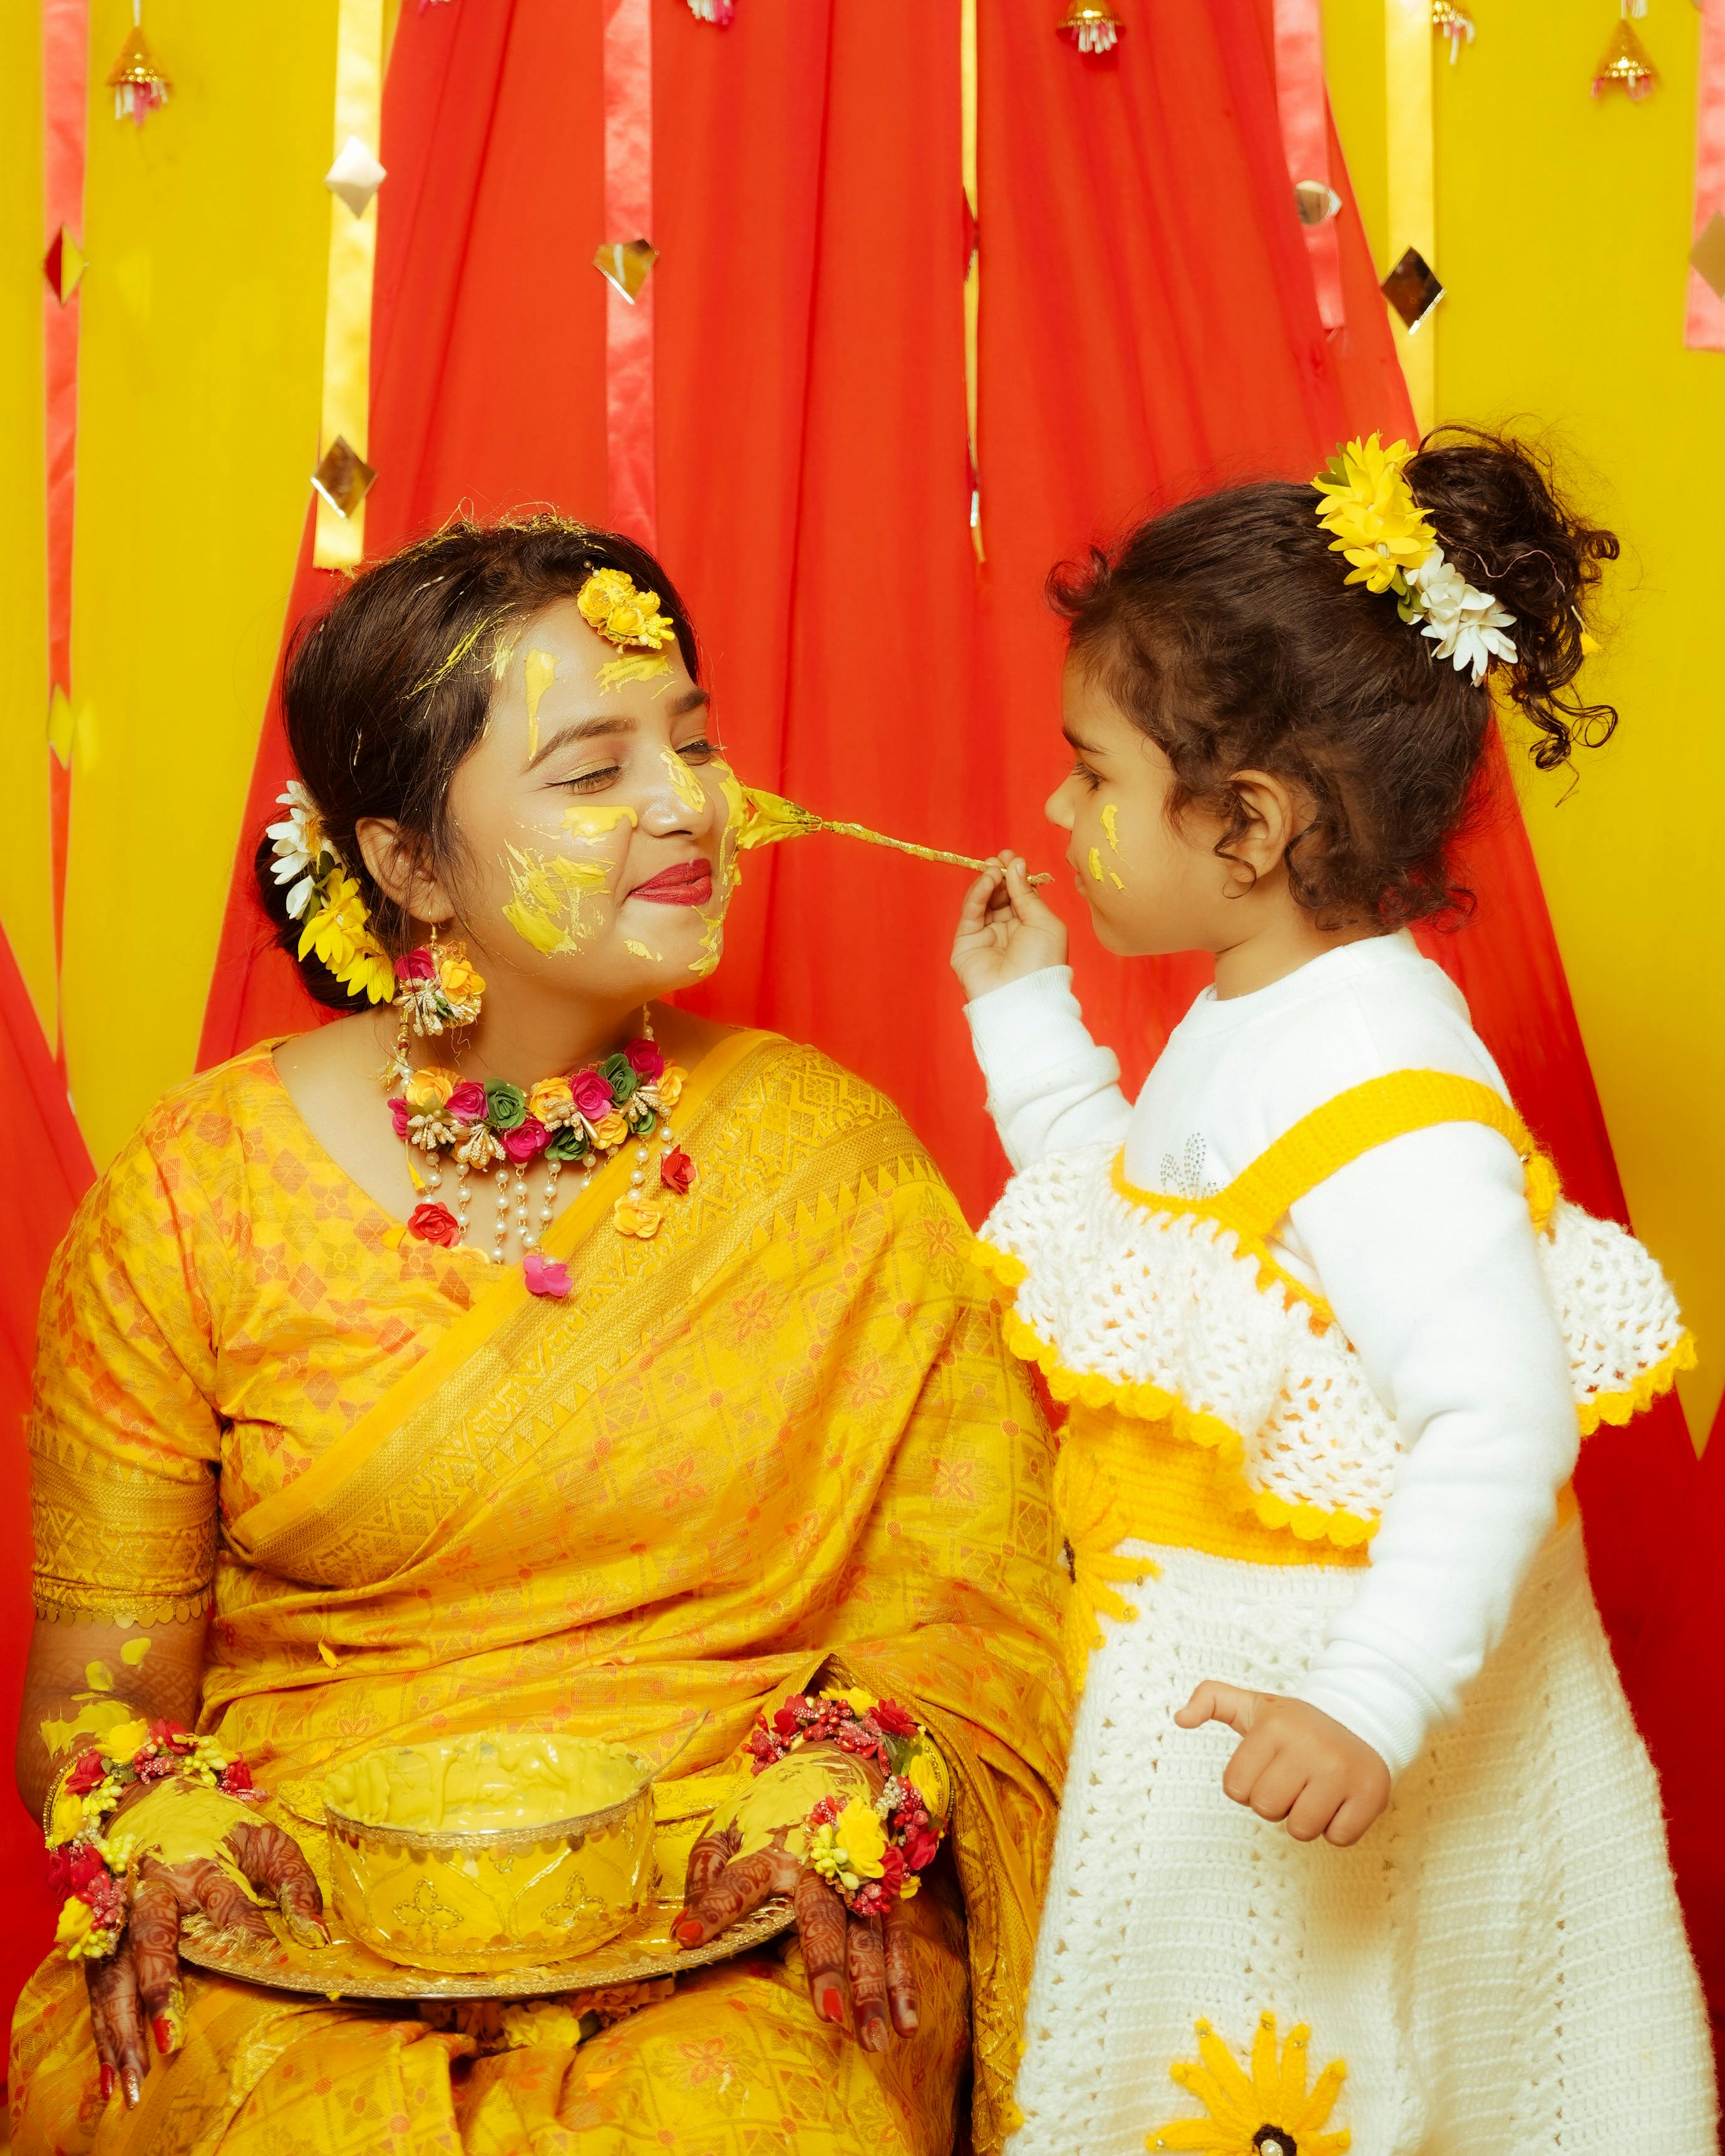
point(1092, 25)
point(1626, 65)
point(140, 87)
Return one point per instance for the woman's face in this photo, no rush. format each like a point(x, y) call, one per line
point(595, 819)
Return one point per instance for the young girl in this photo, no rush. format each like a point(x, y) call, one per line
point(1359, 1845)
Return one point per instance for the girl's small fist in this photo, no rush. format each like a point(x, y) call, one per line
point(1294, 1763)
point(1005, 930)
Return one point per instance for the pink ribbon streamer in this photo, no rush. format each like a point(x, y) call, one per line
point(631, 458)
point(65, 69)
point(1704, 324)
point(1303, 105)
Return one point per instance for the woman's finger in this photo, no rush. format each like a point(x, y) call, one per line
point(900, 1969)
point(708, 1859)
point(205, 1886)
point(867, 1962)
point(739, 1888)
point(155, 1936)
point(821, 1918)
point(118, 2023)
point(275, 1864)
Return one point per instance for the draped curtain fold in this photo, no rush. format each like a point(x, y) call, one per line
point(1149, 326)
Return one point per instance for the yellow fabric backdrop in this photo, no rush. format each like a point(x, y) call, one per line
point(1563, 225)
point(1562, 231)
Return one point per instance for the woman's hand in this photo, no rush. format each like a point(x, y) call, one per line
point(141, 1979)
point(1294, 1763)
point(1004, 929)
point(859, 1965)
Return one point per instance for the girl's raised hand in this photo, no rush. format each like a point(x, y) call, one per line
point(1004, 929)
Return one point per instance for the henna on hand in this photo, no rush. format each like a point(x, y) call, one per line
point(117, 2022)
point(900, 1969)
point(203, 1885)
point(868, 1981)
point(740, 1887)
point(275, 1864)
point(821, 1921)
point(708, 1859)
point(153, 1938)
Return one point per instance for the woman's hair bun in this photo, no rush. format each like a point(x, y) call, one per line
point(1502, 520)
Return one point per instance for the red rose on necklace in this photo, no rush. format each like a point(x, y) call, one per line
point(467, 1103)
point(593, 1096)
point(435, 1223)
point(417, 965)
point(645, 1059)
point(676, 1172)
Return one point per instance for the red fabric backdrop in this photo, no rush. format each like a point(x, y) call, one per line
point(1148, 327)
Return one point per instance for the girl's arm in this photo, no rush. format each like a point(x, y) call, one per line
point(1429, 1260)
point(1049, 1084)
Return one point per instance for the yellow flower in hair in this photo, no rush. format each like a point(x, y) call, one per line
point(337, 931)
point(604, 589)
point(614, 609)
point(1269, 2112)
point(1369, 511)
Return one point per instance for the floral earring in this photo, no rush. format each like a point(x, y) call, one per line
point(437, 989)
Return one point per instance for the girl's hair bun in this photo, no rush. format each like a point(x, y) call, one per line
point(1501, 519)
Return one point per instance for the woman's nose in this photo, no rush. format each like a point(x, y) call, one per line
point(676, 800)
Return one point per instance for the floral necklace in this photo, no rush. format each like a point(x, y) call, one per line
point(580, 1119)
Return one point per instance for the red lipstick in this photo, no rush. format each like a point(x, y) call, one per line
point(690, 883)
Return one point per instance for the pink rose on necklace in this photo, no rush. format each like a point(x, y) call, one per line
point(416, 966)
point(467, 1103)
point(545, 1276)
point(398, 1116)
point(527, 1141)
point(645, 1059)
point(593, 1096)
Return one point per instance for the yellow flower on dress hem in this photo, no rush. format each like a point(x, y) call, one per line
point(1269, 2111)
point(1369, 511)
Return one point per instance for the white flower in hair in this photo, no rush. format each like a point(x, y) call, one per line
point(297, 844)
point(1467, 625)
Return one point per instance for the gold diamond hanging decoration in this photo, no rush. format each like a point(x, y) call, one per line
point(1626, 65)
point(356, 176)
point(1453, 22)
point(344, 479)
point(1092, 25)
point(1708, 255)
point(1412, 287)
point(625, 264)
point(64, 264)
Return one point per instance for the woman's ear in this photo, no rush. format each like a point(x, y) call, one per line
point(1275, 813)
point(397, 870)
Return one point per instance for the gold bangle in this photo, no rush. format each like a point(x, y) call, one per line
point(53, 1797)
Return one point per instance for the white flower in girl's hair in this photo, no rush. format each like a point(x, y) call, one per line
point(298, 842)
point(1467, 625)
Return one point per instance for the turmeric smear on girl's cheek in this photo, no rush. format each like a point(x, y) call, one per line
point(592, 822)
point(1111, 825)
point(550, 894)
point(1096, 864)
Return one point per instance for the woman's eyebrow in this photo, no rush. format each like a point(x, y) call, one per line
point(581, 730)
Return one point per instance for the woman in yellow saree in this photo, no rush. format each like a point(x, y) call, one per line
point(321, 1484)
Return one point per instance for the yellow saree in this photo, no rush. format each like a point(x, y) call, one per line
point(783, 1430)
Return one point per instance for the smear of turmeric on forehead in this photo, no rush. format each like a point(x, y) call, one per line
point(540, 668)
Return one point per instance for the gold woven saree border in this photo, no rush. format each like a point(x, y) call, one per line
point(115, 1541)
point(462, 1436)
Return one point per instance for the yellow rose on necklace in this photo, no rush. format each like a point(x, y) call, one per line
point(458, 977)
point(638, 1216)
point(668, 1086)
point(428, 1089)
point(551, 1101)
point(609, 1132)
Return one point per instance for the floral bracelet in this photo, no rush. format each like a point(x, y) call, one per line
point(870, 1852)
point(90, 1870)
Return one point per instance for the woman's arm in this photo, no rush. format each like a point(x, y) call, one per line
point(82, 1678)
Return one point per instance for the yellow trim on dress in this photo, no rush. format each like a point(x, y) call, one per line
point(1162, 1506)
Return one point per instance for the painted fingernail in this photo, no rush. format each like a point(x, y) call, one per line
point(129, 2081)
point(831, 2006)
point(907, 2019)
point(686, 1931)
point(108, 2080)
point(873, 2036)
point(163, 2029)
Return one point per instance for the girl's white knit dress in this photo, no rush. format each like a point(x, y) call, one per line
point(1329, 1337)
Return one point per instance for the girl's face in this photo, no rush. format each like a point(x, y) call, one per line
point(595, 819)
point(1152, 883)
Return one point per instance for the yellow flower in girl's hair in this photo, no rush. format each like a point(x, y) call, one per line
point(1369, 511)
point(1268, 2112)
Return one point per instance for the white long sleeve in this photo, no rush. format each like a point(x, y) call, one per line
point(1049, 1084)
point(1423, 1249)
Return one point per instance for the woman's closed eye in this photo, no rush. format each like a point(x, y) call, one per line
point(701, 751)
